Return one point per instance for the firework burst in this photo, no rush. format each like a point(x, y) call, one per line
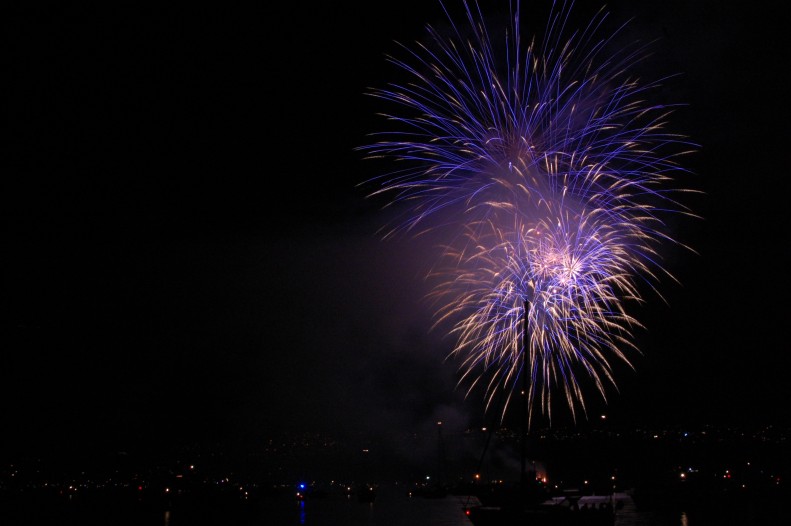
point(551, 177)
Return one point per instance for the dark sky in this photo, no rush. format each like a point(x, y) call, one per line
point(188, 257)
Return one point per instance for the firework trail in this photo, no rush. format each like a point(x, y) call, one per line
point(551, 179)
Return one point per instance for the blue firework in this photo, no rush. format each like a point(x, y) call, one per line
point(550, 176)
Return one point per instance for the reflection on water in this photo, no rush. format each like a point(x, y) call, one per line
point(392, 507)
point(630, 516)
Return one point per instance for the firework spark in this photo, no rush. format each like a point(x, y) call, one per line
point(557, 174)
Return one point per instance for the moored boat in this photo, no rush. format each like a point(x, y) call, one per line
point(589, 510)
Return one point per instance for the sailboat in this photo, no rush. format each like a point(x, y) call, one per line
point(529, 504)
point(558, 511)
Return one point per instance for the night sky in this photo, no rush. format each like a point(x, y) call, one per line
point(189, 257)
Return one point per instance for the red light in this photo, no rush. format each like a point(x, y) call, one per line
point(466, 512)
point(140, 488)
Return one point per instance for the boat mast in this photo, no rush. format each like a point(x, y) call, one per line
point(525, 341)
point(439, 454)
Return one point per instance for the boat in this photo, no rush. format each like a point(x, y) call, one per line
point(529, 501)
point(567, 510)
point(526, 503)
